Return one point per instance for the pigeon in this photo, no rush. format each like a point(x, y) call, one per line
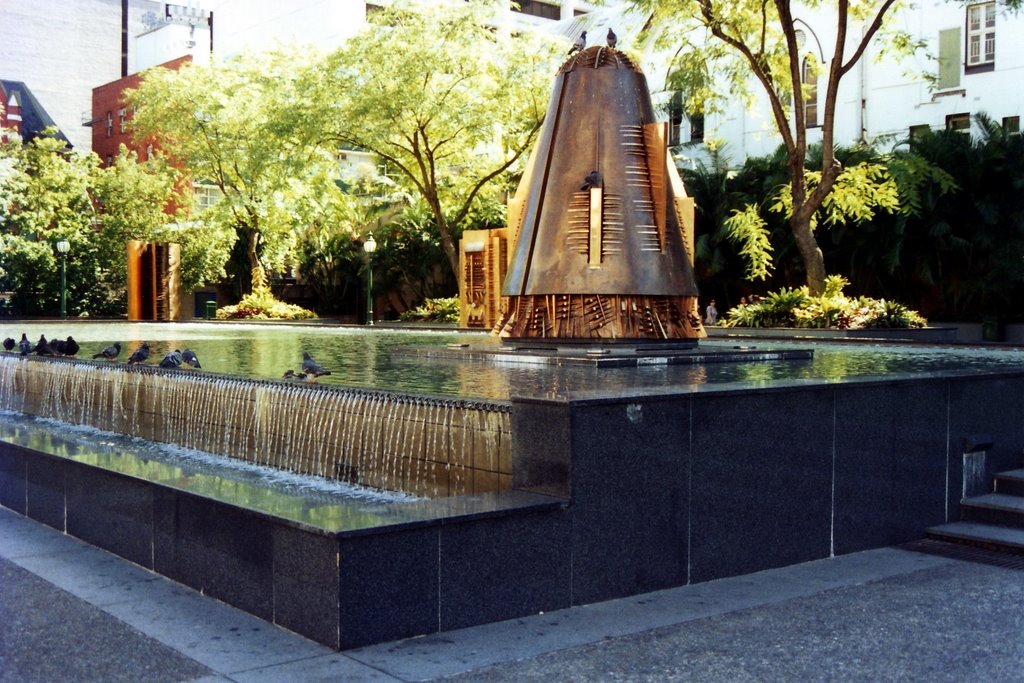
point(291, 374)
point(70, 346)
point(24, 345)
point(593, 179)
point(580, 43)
point(43, 347)
point(613, 39)
point(312, 368)
point(172, 361)
point(111, 352)
point(9, 344)
point(189, 356)
point(57, 346)
point(139, 355)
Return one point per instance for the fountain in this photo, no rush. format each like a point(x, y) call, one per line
point(586, 491)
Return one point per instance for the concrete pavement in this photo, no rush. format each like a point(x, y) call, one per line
point(71, 612)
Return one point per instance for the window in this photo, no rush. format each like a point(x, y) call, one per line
point(1011, 124)
point(959, 122)
point(981, 34)
point(205, 196)
point(536, 8)
point(696, 127)
point(675, 119)
point(110, 123)
point(949, 59)
point(121, 116)
point(917, 131)
point(809, 83)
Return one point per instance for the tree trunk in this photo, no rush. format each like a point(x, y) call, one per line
point(451, 250)
point(258, 274)
point(810, 252)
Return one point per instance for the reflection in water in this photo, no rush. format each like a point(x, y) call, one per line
point(360, 357)
point(329, 505)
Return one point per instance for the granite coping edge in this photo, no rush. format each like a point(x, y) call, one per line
point(433, 512)
point(775, 386)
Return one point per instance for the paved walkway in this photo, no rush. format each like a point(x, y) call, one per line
point(71, 612)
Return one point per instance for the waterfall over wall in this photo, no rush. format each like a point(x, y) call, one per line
point(421, 445)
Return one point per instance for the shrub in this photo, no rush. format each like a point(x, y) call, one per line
point(261, 305)
point(444, 310)
point(797, 308)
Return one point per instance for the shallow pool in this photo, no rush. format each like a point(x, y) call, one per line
point(362, 357)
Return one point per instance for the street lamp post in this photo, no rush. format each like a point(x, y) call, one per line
point(63, 247)
point(369, 246)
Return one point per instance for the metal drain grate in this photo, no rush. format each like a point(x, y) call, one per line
point(967, 553)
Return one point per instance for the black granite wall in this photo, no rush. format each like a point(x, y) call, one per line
point(668, 489)
point(658, 489)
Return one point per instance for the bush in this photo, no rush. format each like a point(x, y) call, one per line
point(434, 310)
point(797, 308)
point(261, 305)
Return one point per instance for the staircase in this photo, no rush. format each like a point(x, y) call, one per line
point(994, 521)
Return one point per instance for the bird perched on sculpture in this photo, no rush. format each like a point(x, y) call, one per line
point(593, 179)
point(109, 353)
point(189, 357)
point(24, 345)
point(580, 43)
point(312, 368)
point(9, 344)
point(139, 355)
point(171, 361)
point(612, 39)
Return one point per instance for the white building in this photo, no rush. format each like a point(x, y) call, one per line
point(963, 71)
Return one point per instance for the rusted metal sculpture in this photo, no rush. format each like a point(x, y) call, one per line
point(603, 227)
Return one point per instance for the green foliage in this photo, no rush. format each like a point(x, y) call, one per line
point(227, 124)
point(830, 309)
point(747, 229)
point(727, 49)
point(260, 304)
point(452, 112)
point(434, 310)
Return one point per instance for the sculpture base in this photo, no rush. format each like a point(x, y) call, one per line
point(600, 317)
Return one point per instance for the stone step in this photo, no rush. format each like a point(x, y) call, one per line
point(994, 508)
point(1010, 483)
point(1001, 538)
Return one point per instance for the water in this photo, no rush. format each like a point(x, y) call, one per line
point(322, 503)
point(361, 357)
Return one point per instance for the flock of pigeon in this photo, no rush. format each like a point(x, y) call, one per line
point(69, 347)
point(175, 359)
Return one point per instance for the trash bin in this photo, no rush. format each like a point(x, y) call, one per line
point(993, 329)
point(210, 310)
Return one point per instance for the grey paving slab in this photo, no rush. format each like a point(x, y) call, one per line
point(468, 649)
point(949, 622)
point(48, 635)
point(99, 577)
point(323, 669)
point(214, 634)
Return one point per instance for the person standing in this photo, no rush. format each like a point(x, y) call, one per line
point(711, 314)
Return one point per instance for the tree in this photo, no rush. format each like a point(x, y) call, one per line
point(740, 40)
point(222, 123)
point(44, 197)
point(445, 101)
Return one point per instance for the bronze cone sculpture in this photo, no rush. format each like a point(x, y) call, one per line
point(603, 227)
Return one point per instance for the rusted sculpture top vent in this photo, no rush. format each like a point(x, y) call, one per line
point(597, 57)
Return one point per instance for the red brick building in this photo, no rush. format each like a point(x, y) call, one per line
point(111, 116)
